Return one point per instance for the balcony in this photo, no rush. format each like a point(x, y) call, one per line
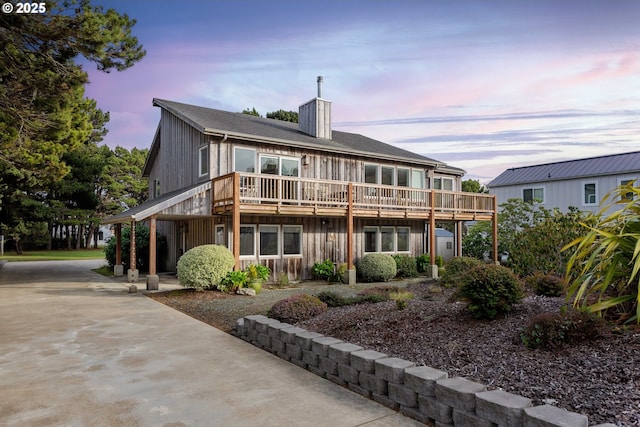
point(282, 195)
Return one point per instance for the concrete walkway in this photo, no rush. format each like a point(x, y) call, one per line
point(76, 349)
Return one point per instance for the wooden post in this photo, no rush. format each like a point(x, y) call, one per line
point(118, 244)
point(132, 246)
point(432, 229)
point(350, 226)
point(459, 238)
point(152, 245)
point(236, 219)
point(495, 229)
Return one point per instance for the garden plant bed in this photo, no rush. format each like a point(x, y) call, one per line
point(600, 378)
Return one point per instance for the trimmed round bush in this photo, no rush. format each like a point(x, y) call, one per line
point(297, 308)
point(455, 268)
point(203, 267)
point(405, 266)
point(490, 289)
point(553, 330)
point(377, 268)
point(548, 285)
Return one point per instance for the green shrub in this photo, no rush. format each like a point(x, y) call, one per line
point(258, 272)
point(548, 285)
point(378, 293)
point(233, 281)
point(203, 267)
point(297, 308)
point(423, 262)
point(551, 331)
point(401, 298)
point(377, 268)
point(283, 279)
point(142, 249)
point(439, 261)
point(324, 270)
point(405, 266)
point(490, 289)
point(456, 267)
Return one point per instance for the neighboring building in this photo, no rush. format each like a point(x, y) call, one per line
point(289, 195)
point(580, 183)
point(445, 244)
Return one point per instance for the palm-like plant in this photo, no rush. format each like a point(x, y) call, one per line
point(603, 270)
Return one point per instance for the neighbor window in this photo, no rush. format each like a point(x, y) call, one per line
point(292, 240)
point(629, 195)
point(443, 184)
point(533, 194)
point(247, 240)
point(245, 160)
point(268, 240)
point(589, 193)
point(203, 160)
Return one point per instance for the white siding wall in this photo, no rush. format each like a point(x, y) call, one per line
point(563, 194)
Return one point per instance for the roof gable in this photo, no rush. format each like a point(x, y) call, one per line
point(613, 164)
point(244, 126)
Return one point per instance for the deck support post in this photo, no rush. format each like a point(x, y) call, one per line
point(351, 271)
point(235, 221)
point(118, 268)
point(433, 269)
point(494, 222)
point(458, 236)
point(153, 281)
point(132, 273)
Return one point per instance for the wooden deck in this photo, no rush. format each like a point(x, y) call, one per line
point(281, 195)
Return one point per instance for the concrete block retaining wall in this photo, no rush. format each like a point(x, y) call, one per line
point(419, 392)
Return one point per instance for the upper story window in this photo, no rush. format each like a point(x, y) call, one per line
point(156, 188)
point(203, 160)
point(589, 193)
point(391, 175)
point(533, 194)
point(244, 160)
point(440, 183)
point(283, 166)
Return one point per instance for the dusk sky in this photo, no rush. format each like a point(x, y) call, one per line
point(481, 85)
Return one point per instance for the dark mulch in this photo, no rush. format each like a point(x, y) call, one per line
point(599, 378)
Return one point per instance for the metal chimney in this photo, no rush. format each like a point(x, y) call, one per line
point(319, 86)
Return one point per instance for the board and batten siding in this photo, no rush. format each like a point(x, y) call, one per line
point(565, 193)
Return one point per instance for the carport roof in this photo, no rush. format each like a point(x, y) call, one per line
point(159, 206)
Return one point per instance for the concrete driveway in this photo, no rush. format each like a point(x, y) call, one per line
point(76, 349)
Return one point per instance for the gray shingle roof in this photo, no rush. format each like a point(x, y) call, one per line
point(212, 121)
point(613, 164)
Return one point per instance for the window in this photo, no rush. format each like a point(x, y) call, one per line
point(403, 177)
point(245, 160)
point(156, 188)
point(387, 175)
point(247, 240)
point(417, 178)
point(268, 240)
point(533, 194)
point(402, 239)
point(371, 239)
point(589, 192)
point(220, 237)
point(203, 160)
point(292, 240)
point(371, 174)
point(269, 165)
point(629, 195)
point(387, 239)
point(440, 183)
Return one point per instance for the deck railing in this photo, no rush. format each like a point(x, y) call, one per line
point(257, 189)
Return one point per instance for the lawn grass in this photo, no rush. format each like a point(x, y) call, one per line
point(57, 255)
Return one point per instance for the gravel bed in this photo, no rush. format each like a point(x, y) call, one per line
point(599, 378)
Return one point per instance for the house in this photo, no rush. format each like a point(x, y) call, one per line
point(288, 195)
point(579, 183)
